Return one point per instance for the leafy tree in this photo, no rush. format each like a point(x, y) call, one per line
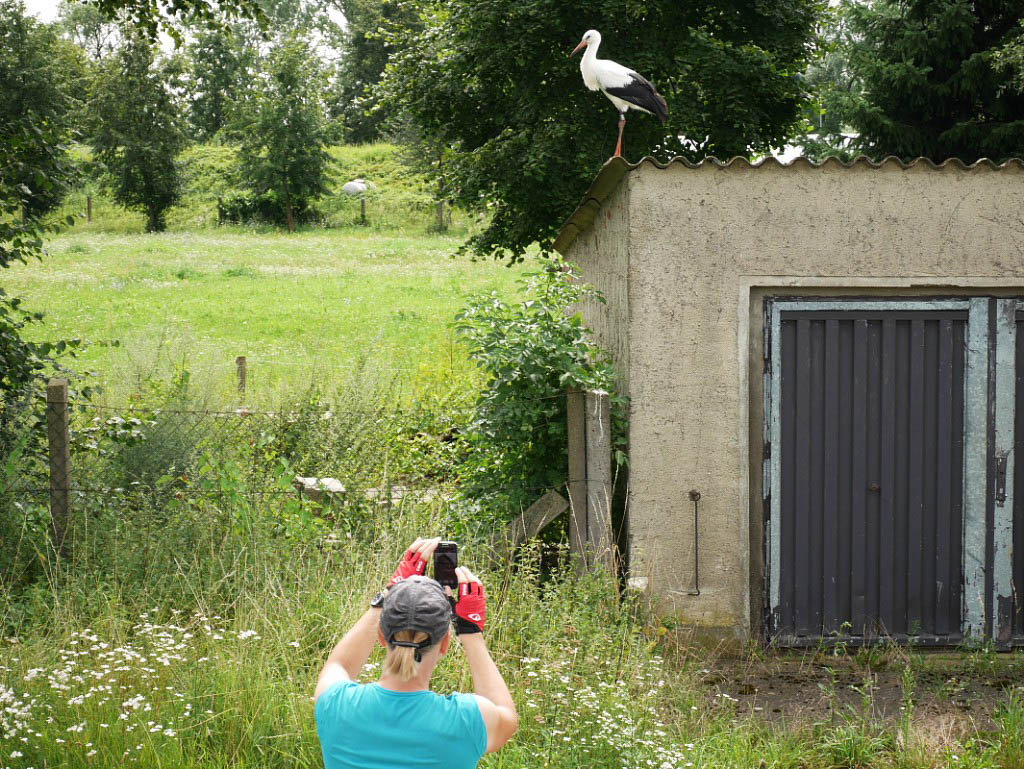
point(88, 28)
point(148, 17)
point(312, 19)
point(368, 45)
point(831, 83)
point(932, 79)
point(36, 104)
point(282, 153)
point(222, 64)
point(140, 130)
point(35, 171)
point(493, 82)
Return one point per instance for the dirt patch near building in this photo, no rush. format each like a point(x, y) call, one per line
point(946, 692)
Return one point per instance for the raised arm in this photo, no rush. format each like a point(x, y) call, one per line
point(492, 694)
point(351, 652)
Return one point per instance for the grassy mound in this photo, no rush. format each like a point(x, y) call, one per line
point(399, 198)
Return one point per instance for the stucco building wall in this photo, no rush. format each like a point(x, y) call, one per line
point(705, 245)
point(606, 244)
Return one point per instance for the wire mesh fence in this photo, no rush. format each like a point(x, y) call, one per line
point(62, 455)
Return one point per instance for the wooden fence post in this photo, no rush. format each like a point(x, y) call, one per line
point(241, 366)
point(220, 210)
point(576, 410)
point(88, 208)
point(59, 436)
point(362, 210)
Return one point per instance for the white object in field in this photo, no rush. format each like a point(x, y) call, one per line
point(639, 584)
point(319, 489)
point(355, 187)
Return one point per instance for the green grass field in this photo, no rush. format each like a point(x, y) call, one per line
point(300, 305)
point(305, 306)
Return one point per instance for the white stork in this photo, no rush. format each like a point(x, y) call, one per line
point(624, 88)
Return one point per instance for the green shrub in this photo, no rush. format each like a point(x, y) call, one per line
point(532, 352)
point(265, 208)
point(140, 446)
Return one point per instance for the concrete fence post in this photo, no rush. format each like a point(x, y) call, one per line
point(590, 479)
point(599, 478)
point(59, 435)
point(576, 410)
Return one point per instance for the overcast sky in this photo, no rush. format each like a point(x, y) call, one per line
point(45, 10)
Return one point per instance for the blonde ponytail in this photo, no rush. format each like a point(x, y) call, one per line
point(401, 661)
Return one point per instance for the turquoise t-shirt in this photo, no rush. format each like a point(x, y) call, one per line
point(365, 726)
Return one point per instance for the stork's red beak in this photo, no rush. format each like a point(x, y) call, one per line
point(583, 44)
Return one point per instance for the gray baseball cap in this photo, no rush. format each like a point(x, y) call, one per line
point(416, 603)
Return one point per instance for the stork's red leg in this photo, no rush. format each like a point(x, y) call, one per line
point(618, 144)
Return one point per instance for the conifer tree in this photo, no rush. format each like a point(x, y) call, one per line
point(140, 130)
point(367, 48)
point(222, 64)
point(283, 152)
point(933, 83)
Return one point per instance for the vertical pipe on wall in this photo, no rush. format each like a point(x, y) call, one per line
point(576, 413)
point(695, 589)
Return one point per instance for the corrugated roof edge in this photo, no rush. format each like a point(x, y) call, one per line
point(615, 169)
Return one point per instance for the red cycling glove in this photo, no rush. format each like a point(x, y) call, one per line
point(411, 565)
point(470, 609)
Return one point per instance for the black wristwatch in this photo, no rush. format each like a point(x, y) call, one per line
point(378, 600)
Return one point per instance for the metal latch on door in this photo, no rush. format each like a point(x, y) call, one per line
point(1001, 477)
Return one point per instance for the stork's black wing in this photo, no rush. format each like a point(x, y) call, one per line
point(639, 92)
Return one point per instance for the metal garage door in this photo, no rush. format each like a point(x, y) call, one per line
point(883, 461)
